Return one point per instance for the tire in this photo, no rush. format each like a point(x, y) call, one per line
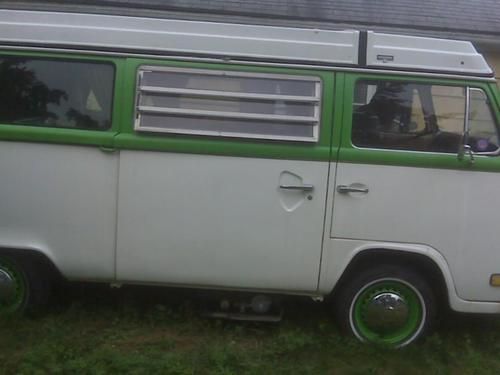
point(387, 305)
point(24, 286)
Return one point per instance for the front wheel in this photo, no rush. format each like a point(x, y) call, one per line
point(24, 286)
point(387, 305)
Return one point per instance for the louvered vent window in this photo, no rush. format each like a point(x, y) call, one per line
point(228, 104)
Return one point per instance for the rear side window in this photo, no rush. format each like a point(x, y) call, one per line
point(56, 93)
point(227, 103)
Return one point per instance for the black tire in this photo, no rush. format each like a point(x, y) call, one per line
point(388, 304)
point(27, 284)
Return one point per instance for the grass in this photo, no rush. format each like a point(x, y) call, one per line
point(94, 330)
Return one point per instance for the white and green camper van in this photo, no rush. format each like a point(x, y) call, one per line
point(354, 165)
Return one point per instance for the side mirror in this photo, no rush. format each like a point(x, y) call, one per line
point(465, 152)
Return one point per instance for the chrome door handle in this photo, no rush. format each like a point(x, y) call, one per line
point(304, 187)
point(344, 189)
point(107, 149)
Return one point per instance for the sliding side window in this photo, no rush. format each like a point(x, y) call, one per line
point(56, 93)
point(228, 104)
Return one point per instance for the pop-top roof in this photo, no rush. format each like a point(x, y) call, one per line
point(237, 41)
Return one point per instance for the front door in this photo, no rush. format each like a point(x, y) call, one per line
point(242, 211)
point(399, 178)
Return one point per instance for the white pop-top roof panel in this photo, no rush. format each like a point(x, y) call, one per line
point(410, 52)
point(238, 41)
point(177, 36)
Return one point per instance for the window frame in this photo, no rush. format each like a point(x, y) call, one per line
point(75, 136)
point(405, 80)
point(70, 60)
point(496, 122)
point(349, 153)
point(316, 101)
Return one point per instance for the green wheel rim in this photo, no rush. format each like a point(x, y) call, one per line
point(15, 302)
point(395, 337)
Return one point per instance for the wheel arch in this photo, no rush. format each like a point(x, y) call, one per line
point(419, 261)
point(39, 257)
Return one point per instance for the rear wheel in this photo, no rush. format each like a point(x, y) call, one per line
point(387, 305)
point(23, 285)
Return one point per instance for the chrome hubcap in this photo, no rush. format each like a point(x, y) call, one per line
point(7, 287)
point(386, 312)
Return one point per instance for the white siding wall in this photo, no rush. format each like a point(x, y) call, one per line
point(493, 59)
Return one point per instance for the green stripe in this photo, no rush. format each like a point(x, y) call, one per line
point(495, 92)
point(129, 139)
point(195, 145)
point(338, 94)
point(23, 133)
point(419, 159)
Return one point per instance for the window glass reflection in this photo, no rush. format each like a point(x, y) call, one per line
point(55, 93)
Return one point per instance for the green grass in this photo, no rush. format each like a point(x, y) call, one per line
point(141, 331)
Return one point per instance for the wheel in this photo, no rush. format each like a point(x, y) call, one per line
point(22, 286)
point(387, 305)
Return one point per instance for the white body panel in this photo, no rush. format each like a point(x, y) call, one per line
point(338, 253)
point(220, 221)
point(452, 212)
point(60, 200)
point(411, 52)
point(210, 221)
point(178, 36)
point(230, 40)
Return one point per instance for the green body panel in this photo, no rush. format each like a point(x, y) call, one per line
point(23, 133)
point(129, 139)
point(495, 89)
point(338, 115)
point(335, 129)
point(26, 133)
point(349, 153)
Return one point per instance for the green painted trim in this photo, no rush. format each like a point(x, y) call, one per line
point(25, 133)
point(223, 147)
point(495, 88)
point(390, 338)
point(338, 113)
point(128, 139)
point(21, 286)
point(495, 93)
point(351, 154)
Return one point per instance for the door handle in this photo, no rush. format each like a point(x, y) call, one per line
point(107, 149)
point(354, 188)
point(304, 187)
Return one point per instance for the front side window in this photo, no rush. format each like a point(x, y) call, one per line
point(422, 117)
point(483, 135)
point(228, 104)
point(408, 116)
point(56, 93)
